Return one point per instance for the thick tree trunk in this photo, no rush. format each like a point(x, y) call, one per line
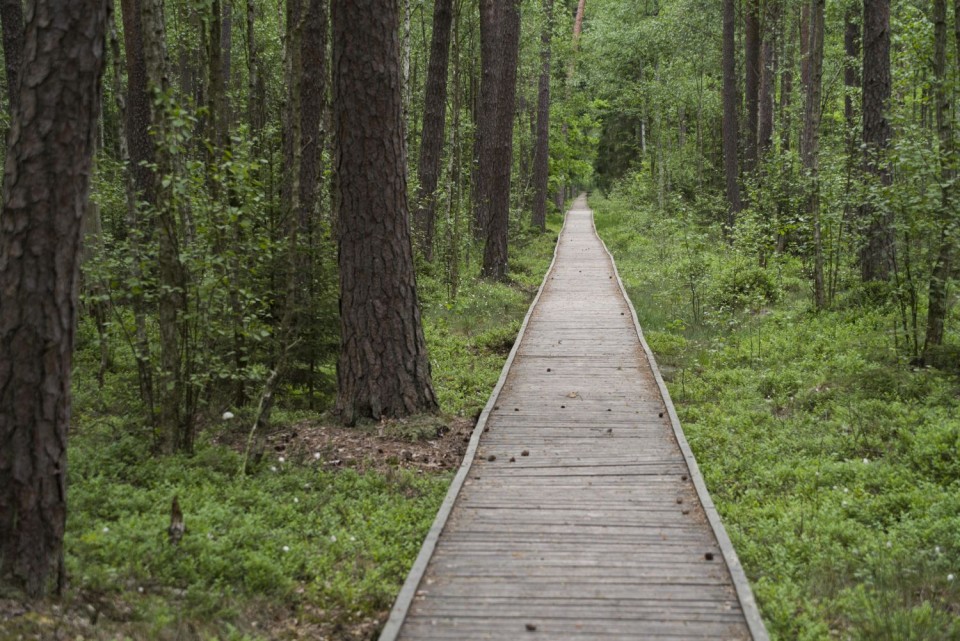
point(45, 192)
point(541, 155)
point(877, 253)
point(11, 21)
point(383, 369)
point(486, 116)
point(140, 143)
point(786, 84)
point(810, 143)
point(434, 120)
point(938, 301)
point(751, 63)
point(508, 51)
point(730, 135)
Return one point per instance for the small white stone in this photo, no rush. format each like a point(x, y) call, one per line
point(227, 415)
point(273, 468)
point(950, 577)
point(140, 590)
point(286, 548)
point(281, 459)
point(333, 538)
point(889, 544)
point(105, 529)
point(316, 456)
point(296, 500)
point(866, 461)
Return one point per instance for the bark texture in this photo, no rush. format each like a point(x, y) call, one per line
point(751, 63)
point(877, 252)
point(851, 77)
point(434, 120)
point(730, 133)
point(541, 153)
point(313, 105)
point(139, 143)
point(810, 141)
point(11, 21)
point(45, 189)
point(383, 369)
point(501, 158)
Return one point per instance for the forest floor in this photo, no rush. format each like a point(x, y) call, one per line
point(316, 539)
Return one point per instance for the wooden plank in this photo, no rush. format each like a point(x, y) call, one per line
point(597, 527)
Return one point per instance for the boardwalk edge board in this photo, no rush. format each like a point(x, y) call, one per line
point(740, 582)
point(401, 606)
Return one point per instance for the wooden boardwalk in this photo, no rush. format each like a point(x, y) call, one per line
point(579, 511)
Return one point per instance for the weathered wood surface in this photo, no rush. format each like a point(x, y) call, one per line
point(580, 512)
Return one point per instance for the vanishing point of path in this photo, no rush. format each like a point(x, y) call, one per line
point(579, 511)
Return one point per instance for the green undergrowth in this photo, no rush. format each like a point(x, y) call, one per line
point(289, 545)
point(833, 462)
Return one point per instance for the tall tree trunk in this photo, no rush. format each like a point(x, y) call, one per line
point(313, 99)
point(11, 21)
point(508, 51)
point(786, 83)
point(383, 369)
point(256, 90)
point(434, 120)
point(140, 144)
point(486, 116)
point(175, 420)
point(810, 142)
point(938, 299)
point(730, 134)
point(768, 73)
point(541, 155)
point(851, 79)
point(877, 253)
point(135, 231)
point(578, 21)
point(751, 64)
point(45, 192)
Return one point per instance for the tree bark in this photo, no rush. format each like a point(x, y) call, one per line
point(383, 369)
point(313, 104)
point(768, 73)
point(508, 51)
point(541, 155)
point(45, 191)
point(786, 85)
point(434, 121)
point(140, 144)
point(751, 63)
point(877, 253)
point(578, 21)
point(256, 90)
point(11, 21)
point(486, 116)
point(730, 134)
point(938, 300)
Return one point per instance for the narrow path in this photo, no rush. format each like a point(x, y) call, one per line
point(579, 512)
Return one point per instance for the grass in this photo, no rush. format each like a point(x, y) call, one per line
point(834, 464)
point(291, 550)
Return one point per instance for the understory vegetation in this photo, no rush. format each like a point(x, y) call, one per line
point(308, 543)
point(832, 459)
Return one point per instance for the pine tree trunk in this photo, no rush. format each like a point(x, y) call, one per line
point(45, 192)
point(508, 51)
point(938, 296)
point(877, 254)
point(383, 369)
point(751, 63)
point(313, 96)
point(139, 142)
point(434, 121)
point(730, 134)
point(486, 116)
point(11, 21)
point(768, 73)
point(786, 84)
point(541, 156)
point(256, 90)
